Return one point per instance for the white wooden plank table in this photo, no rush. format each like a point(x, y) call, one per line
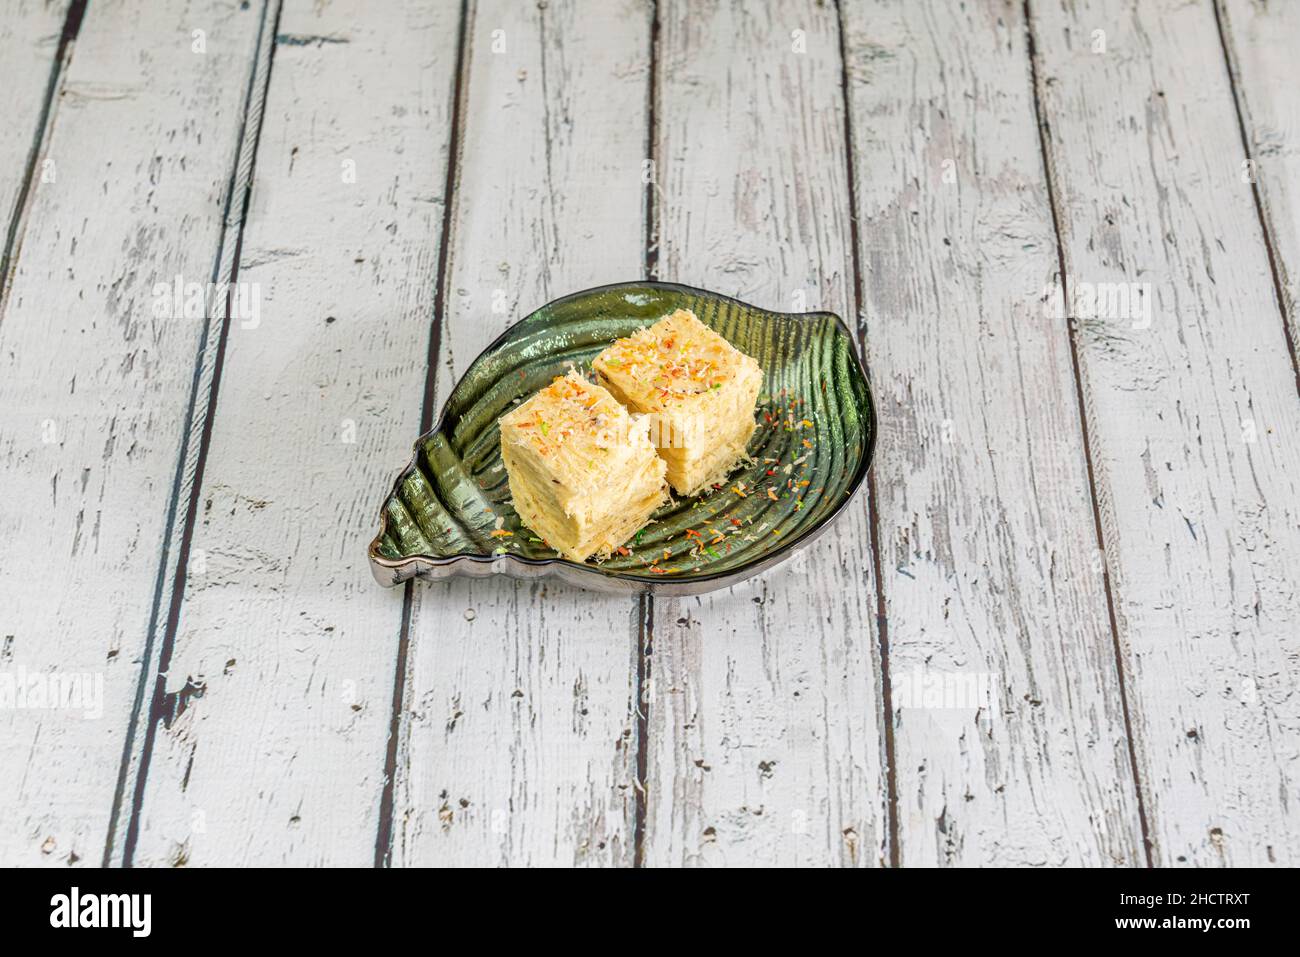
point(1059, 626)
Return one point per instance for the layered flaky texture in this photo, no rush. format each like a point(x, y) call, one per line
point(583, 473)
point(697, 390)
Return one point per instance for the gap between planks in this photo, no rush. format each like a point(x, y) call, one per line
point(169, 591)
point(1285, 306)
point(384, 835)
point(44, 123)
point(646, 603)
point(894, 852)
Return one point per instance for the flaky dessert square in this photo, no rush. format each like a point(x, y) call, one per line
point(583, 473)
point(696, 387)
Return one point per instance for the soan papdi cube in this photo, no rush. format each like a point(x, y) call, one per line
point(583, 473)
point(698, 389)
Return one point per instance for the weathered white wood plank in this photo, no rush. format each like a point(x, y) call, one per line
point(153, 699)
point(94, 388)
point(1008, 727)
point(1193, 414)
point(29, 45)
point(518, 726)
point(766, 746)
point(1261, 41)
point(281, 759)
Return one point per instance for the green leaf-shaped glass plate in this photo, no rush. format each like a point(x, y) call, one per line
point(810, 453)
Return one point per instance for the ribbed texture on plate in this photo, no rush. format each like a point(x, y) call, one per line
point(454, 496)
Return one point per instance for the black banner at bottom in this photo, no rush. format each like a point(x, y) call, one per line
point(1230, 907)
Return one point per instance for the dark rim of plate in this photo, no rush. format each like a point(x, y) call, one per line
point(784, 549)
